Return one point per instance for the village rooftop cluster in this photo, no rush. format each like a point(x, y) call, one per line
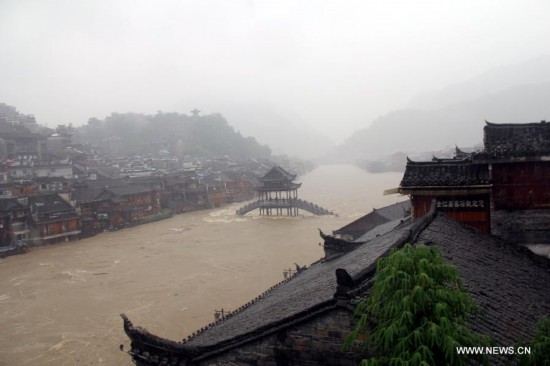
point(55, 188)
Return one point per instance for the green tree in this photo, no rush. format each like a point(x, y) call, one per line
point(540, 346)
point(416, 313)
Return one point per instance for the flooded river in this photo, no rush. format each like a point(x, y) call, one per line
point(60, 305)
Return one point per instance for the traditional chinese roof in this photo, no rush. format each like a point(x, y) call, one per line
point(308, 289)
point(49, 179)
point(445, 173)
point(88, 194)
point(10, 204)
point(516, 140)
point(362, 224)
point(335, 246)
point(460, 154)
point(311, 291)
point(507, 281)
point(278, 179)
point(395, 211)
point(376, 217)
point(380, 230)
point(277, 174)
point(50, 208)
point(120, 193)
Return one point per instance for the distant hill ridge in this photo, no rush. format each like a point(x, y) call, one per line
point(178, 134)
point(454, 116)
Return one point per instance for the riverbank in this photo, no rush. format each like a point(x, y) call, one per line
point(60, 304)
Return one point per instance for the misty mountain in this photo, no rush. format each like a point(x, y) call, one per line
point(179, 134)
point(284, 131)
point(533, 71)
point(414, 130)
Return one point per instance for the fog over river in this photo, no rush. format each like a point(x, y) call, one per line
point(60, 305)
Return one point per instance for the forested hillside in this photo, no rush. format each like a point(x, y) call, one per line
point(174, 133)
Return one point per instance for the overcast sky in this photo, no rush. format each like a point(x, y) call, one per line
point(335, 64)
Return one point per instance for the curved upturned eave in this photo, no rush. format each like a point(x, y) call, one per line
point(291, 187)
point(516, 125)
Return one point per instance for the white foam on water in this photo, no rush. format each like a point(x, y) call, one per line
point(226, 220)
point(76, 275)
point(19, 280)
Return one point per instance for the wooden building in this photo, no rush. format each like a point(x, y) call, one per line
point(53, 219)
point(239, 186)
point(503, 189)
point(375, 218)
point(460, 187)
point(518, 157)
point(130, 204)
point(93, 211)
point(19, 218)
point(184, 193)
point(111, 204)
point(216, 192)
point(277, 192)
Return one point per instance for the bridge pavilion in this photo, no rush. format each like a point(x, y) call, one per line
point(277, 192)
point(278, 195)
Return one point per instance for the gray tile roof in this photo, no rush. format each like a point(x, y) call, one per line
point(50, 207)
point(375, 218)
point(516, 140)
point(277, 174)
point(396, 211)
point(379, 230)
point(362, 224)
point(86, 194)
point(507, 281)
point(130, 190)
point(307, 289)
point(448, 173)
point(10, 204)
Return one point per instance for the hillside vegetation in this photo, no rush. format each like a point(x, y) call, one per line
point(174, 133)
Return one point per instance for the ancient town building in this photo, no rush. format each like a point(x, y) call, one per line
point(503, 189)
point(53, 219)
point(460, 187)
point(17, 212)
point(277, 192)
point(518, 157)
point(128, 204)
point(278, 195)
point(371, 220)
point(305, 319)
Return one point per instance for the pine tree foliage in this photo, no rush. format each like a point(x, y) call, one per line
point(416, 313)
point(540, 346)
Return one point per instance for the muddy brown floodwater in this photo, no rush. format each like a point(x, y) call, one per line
point(60, 304)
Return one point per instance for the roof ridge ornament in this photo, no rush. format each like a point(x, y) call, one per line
point(344, 283)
